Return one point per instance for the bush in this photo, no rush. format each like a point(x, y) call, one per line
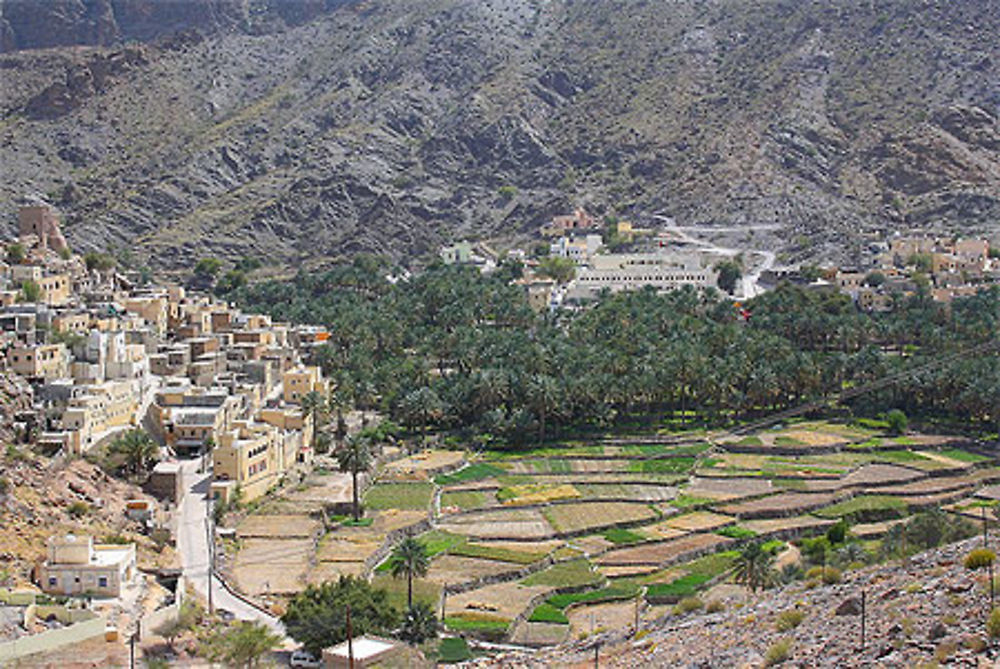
point(715, 606)
point(688, 605)
point(779, 652)
point(896, 421)
point(78, 509)
point(789, 620)
point(829, 575)
point(993, 624)
point(979, 558)
point(736, 532)
point(837, 533)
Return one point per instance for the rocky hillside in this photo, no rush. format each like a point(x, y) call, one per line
point(396, 125)
point(930, 611)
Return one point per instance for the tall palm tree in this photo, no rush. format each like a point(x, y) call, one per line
point(409, 559)
point(355, 458)
point(137, 449)
point(755, 567)
point(313, 406)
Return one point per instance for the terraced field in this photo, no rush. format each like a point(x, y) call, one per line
point(529, 546)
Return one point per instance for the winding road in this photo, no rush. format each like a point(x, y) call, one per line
point(192, 546)
point(749, 283)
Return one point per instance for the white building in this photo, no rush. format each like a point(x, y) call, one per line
point(662, 271)
point(75, 565)
point(580, 250)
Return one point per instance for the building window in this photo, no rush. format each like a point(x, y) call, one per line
point(102, 581)
point(53, 581)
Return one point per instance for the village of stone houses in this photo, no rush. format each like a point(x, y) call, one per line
point(175, 467)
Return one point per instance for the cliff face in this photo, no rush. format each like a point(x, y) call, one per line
point(297, 131)
point(30, 24)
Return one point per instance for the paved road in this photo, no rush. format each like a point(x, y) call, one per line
point(192, 545)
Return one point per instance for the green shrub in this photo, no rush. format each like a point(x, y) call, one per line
point(736, 532)
point(789, 620)
point(688, 605)
point(546, 613)
point(837, 533)
point(980, 558)
point(779, 652)
point(829, 575)
point(78, 509)
point(993, 624)
point(715, 606)
point(453, 649)
point(896, 421)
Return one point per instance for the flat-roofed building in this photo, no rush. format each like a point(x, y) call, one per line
point(302, 380)
point(661, 271)
point(75, 565)
point(42, 361)
point(248, 457)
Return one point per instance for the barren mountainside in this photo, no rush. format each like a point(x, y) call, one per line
point(391, 125)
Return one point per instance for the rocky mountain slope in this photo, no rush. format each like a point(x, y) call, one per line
point(394, 126)
point(930, 611)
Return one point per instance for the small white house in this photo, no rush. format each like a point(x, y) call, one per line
point(76, 565)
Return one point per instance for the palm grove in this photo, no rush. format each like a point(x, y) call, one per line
point(456, 350)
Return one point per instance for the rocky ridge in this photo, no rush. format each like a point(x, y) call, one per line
point(393, 127)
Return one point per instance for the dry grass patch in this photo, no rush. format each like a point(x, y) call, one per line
point(331, 571)
point(877, 473)
point(422, 466)
point(500, 523)
point(627, 571)
point(593, 515)
point(664, 531)
point(729, 488)
point(767, 526)
point(598, 617)
point(286, 526)
point(504, 600)
point(454, 569)
point(662, 553)
point(335, 549)
point(698, 521)
point(813, 438)
point(272, 565)
point(536, 493)
point(781, 504)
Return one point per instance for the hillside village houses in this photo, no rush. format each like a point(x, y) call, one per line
point(104, 355)
point(951, 267)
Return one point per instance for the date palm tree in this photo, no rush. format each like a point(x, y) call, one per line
point(755, 567)
point(355, 458)
point(137, 450)
point(409, 559)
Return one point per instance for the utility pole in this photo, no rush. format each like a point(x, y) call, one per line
point(863, 615)
point(209, 530)
point(991, 586)
point(350, 640)
point(597, 655)
point(985, 538)
point(131, 650)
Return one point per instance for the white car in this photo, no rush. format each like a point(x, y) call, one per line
point(301, 658)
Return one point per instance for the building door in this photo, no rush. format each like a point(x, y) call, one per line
point(67, 584)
